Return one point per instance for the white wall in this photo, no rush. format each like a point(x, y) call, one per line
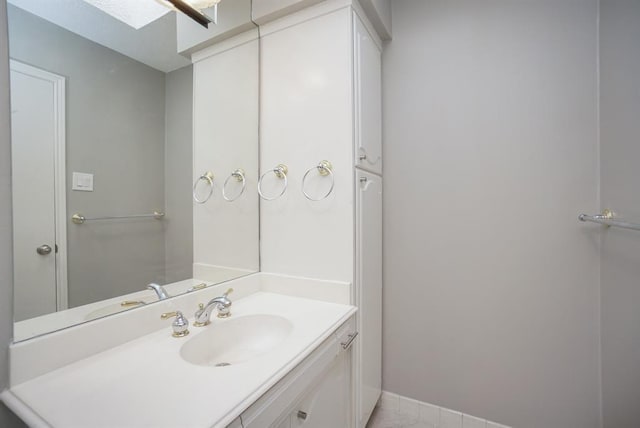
point(491, 284)
point(620, 152)
point(6, 253)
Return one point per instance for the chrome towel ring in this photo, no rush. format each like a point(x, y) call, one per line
point(324, 169)
point(280, 171)
point(238, 174)
point(207, 177)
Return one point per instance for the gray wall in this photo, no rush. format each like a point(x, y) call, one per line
point(7, 419)
point(379, 13)
point(491, 302)
point(115, 129)
point(620, 156)
point(178, 173)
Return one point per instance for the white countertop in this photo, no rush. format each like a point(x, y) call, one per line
point(146, 383)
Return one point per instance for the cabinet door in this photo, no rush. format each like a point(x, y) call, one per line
point(327, 404)
point(286, 423)
point(237, 423)
point(368, 99)
point(368, 292)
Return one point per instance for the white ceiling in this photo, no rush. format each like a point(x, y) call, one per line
point(154, 44)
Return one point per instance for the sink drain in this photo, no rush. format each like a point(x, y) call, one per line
point(222, 364)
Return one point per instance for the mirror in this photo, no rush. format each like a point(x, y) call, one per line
point(114, 134)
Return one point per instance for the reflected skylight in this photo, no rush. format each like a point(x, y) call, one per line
point(135, 13)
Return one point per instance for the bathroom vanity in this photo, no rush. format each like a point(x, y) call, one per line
point(303, 209)
point(276, 360)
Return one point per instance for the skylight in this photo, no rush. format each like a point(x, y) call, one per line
point(135, 13)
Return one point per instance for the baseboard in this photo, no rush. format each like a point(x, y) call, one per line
point(431, 415)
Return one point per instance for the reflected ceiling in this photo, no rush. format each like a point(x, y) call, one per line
point(153, 44)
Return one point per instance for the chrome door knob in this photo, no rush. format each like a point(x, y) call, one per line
point(43, 250)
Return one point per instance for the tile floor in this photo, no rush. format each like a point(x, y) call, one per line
point(394, 411)
point(390, 418)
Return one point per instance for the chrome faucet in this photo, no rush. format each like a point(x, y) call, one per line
point(160, 291)
point(222, 304)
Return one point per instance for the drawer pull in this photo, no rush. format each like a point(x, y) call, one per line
point(302, 415)
point(350, 339)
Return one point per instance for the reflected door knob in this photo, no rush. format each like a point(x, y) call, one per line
point(43, 250)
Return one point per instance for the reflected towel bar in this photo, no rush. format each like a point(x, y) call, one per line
point(606, 218)
point(80, 219)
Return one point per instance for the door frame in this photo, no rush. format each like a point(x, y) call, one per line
point(60, 171)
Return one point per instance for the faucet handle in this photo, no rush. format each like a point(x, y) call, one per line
point(180, 325)
point(223, 309)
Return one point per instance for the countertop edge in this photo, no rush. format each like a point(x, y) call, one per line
point(22, 410)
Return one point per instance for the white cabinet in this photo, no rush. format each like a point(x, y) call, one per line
point(237, 423)
point(326, 405)
point(369, 291)
point(368, 99)
point(368, 247)
point(320, 100)
point(315, 394)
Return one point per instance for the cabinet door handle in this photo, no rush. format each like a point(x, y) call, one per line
point(302, 415)
point(350, 339)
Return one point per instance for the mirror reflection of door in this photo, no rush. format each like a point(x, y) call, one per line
point(37, 131)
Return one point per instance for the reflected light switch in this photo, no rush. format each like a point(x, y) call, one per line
point(82, 182)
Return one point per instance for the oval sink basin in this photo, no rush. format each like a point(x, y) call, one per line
point(236, 341)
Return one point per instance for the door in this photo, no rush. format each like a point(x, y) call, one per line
point(326, 405)
point(37, 146)
point(368, 292)
point(368, 99)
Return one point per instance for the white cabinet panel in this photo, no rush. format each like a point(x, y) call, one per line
point(286, 423)
point(321, 99)
point(237, 423)
point(320, 386)
point(225, 138)
point(368, 99)
point(369, 290)
point(327, 405)
point(305, 117)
